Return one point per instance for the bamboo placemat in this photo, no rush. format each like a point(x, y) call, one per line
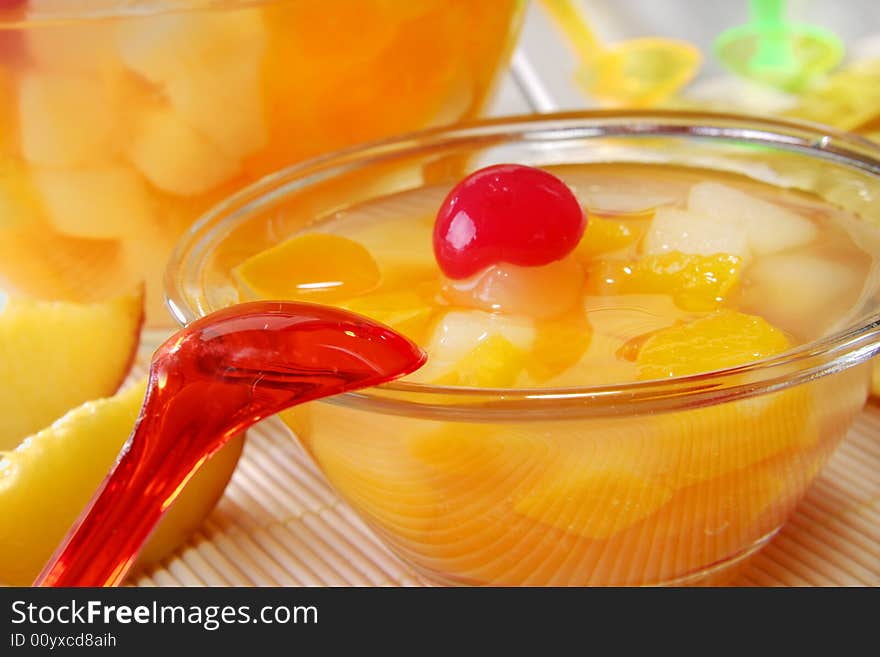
point(280, 524)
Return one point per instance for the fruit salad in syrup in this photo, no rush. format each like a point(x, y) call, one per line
point(522, 278)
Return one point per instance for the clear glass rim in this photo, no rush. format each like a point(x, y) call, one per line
point(842, 349)
point(89, 10)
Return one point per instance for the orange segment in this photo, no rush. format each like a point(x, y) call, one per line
point(696, 282)
point(494, 363)
point(312, 267)
point(725, 338)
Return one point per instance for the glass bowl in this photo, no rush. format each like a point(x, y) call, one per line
point(122, 122)
point(658, 482)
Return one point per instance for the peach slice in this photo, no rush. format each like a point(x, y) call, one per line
point(56, 355)
point(50, 477)
point(315, 267)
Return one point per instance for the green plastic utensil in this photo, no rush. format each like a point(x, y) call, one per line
point(771, 50)
point(633, 73)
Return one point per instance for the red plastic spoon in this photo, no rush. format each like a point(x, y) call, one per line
point(207, 383)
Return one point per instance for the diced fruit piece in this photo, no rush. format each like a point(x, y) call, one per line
point(540, 292)
point(458, 333)
point(209, 67)
point(494, 363)
point(770, 227)
point(240, 129)
point(796, 290)
point(406, 311)
point(604, 235)
point(312, 267)
point(99, 203)
point(686, 232)
point(717, 341)
point(47, 481)
point(559, 344)
point(176, 158)
point(86, 47)
point(696, 282)
point(506, 213)
point(173, 45)
point(66, 120)
point(85, 350)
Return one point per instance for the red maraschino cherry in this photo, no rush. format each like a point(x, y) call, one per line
point(506, 213)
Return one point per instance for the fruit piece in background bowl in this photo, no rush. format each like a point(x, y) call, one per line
point(37, 262)
point(74, 48)
point(174, 156)
point(83, 351)
point(208, 67)
point(107, 202)
point(50, 477)
point(67, 120)
point(197, 99)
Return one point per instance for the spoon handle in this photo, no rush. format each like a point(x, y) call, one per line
point(103, 544)
point(209, 382)
point(768, 16)
point(571, 23)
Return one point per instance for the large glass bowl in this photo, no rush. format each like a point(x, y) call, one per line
point(121, 122)
point(664, 482)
